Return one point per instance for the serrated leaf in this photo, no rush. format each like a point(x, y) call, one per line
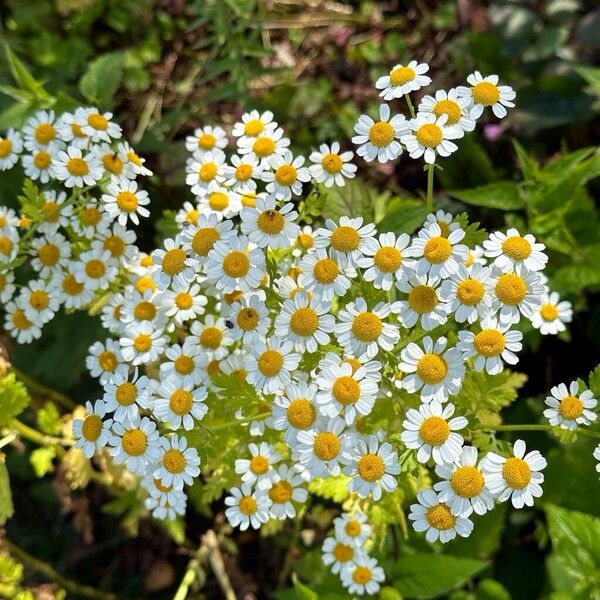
point(48, 419)
point(594, 381)
point(13, 398)
point(6, 504)
point(503, 195)
point(102, 79)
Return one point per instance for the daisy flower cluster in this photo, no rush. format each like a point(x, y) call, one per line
point(438, 121)
point(73, 235)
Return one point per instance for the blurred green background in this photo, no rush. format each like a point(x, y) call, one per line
point(166, 67)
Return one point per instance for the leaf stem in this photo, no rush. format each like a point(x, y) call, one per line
point(430, 170)
point(35, 436)
point(411, 108)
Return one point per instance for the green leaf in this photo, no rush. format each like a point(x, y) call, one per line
point(303, 592)
point(404, 215)
point(355, 199)
point(175, 528)
point(592, 76)
point(102, 79)
point(529, 167)
point(23, 77)
point(13, 398)
point(503, 195)
point(594, 381)
point(6, 503)
point(430, 575)
point(332, 488)
point(41, 460)
point(48, 419)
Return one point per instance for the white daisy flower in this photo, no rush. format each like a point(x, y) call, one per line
point(250, 319)
point(142, 306)
point(243, 173)
point(305, 321)
point(235, 264)
point(371, 367)
point(39, 301)
point(120, 242)
point(177, 464)
point(247, 508)
point(495, 343)
point(187, 215)
point(597, 457)
point(135, 164)
point(462, 487)
point(113, 161)
point(8, 218)
point(403, 79)
point(352, 528)
point(288, 488)
point(99, 127)
point(510, 250)
point(212, 337)
point(438, 255)
point(330, 166)
point(111, 314)
point(253, 124)
point(432, 432)
point(93, 431)
point(181, 364)
point(259, 470)
point(468, 290)
point(163, 509)
point(91, 220)
point(517, 477)
point(51, 254)
point(552, 315)
point(7, 286)
point(434, 517)
point(18, 325)
point(287, 176)
point(385, 259)
point(270, 365)
point(40, 130)
point(516, 294)
point(372, 466)
point(174, 263)
point(294, 410)
point(321, 275)
point(444, 220)
point(9, 244)
point(266, 147)
point(430, 136)
point(380, 139)
point(69, 129)
point(142, 343)
point(202, 237)
point(125, 201)
point(347, 241)
point(455, 107)
point(485, 91)
point(55, 213)
point(95, 269)
point(320, 449)
point(362, 577)
point(179, 405)
point(11, 145)
point(183, 302)
point(569, 408)
point(105, 361)
point(337, 554)
point(124, 395)
point(205, 172)
point(206, 138)
point(75, 169)
point(267, 225)
point(345, 392)
point(221, 202)
point(135, 443)
point(436, 372)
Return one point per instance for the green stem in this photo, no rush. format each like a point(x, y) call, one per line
point(430, 170)
point(33, 435)
point(57, 397)
point(411, 108)
point(191, 573)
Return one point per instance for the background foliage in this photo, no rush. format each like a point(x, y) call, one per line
point(164, 67)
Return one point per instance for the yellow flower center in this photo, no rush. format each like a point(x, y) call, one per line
point(346, 390)
point(127, 201)
point(270, 363)
point(430, 135)
point(332, 163)
point(233, 296)
point(326, 445)
point(20, 321)
point(326, 270)
point(511, 289)
point(371, 467)
point(434, 431)
point(77, 131)
point(367, 327)
point(401, 75)
point(440, 517)
point(174, 461)
point(286, 175)
point(95, 268)
point(382, 134)
point(6, 245)
point(516, 247)
point(449, 108)
point(489, 342)
point(263, 146)
point(213, 368)
point(304, 321)
point(305, 240)
point(236, 264)
point(301, 414)
point(254, 127)
point(5, 148)
point(184, 365)
point(107, 361)
point(145, 283)
point(204, 240)
point(570, 408)
point(422, 298)
point(173, 261)
point(44, 133)
point(181, 402)
point(192, 216)
point(206, 141)
point(271, 222)
point(211, 337)
point(243, 172)
point(115, 244)
point(259, 465)
point(207, 172)
point(49, 255)
point(467, 482)
point(247, 319)
point(388, 259)
point(42, 160)
point(437, 250)
point(134, 158)
point(126, 393)
point(184, 300)
point(135, 442)
point(353, 528)
point(77, 167)
point(485, 93)
point(343, 553)
point(218, 200)
point(165, 489)
point(281, 492)
point(51, 211)
point(39, 299)
point(432, 368)
point(112, 163)
point(144, 311)
point(90, 215)
point(91, 428)
point(516, 473)
point(248, 505)
point(444, 228)
point(98, 121)
point(142, 342)
point(470, 292)
point(362, 575)
point(549, 312)
point(249, 199)
point(71, 286)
